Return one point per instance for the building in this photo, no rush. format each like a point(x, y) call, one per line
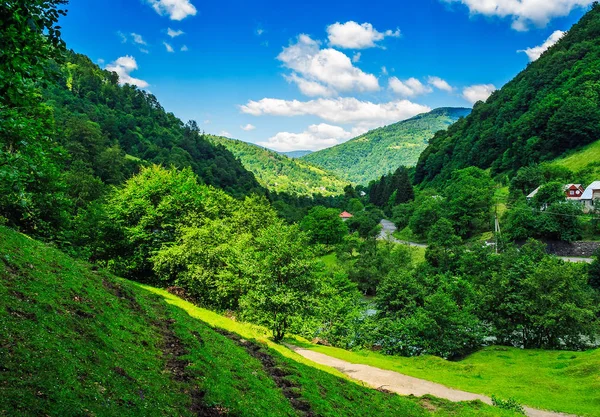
point(590, 195)
point(345, 215)
point(572, 192)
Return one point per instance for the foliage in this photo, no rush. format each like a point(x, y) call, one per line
point(392, 189)
point(324, 225)
point(510, 404)
point(31, 191)
point(366, 223)
point(280, 173)
point(380, 151)
point(549, 108)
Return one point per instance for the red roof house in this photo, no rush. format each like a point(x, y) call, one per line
point(345, 215)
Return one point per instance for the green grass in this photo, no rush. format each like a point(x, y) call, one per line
point(580, 159)
point(80, 342)
point(407, 235)
point(554, 380)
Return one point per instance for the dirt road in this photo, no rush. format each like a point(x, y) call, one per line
point(404, 384)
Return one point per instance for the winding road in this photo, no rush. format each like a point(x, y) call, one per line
point(404, 384)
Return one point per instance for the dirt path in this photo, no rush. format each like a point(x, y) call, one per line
point(404, 384)
point(387, 230)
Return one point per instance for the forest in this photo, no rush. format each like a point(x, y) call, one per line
point(549, 108)
point(102, 173)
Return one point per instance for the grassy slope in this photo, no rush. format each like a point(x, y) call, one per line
point(79, 342)
point(281, 173)
point(554, 380)
point(382, 150)
point(581, 158)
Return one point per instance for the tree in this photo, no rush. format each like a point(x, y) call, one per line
point(548, 194)
point(324, 225)
point(31, 192)
point(283, 281)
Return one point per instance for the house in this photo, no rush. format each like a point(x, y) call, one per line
point(345, 215)
point(590, 195)
point(572, 192)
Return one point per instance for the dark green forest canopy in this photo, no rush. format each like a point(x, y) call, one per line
point(381, 151)
point(549, 108)
point(113, 128)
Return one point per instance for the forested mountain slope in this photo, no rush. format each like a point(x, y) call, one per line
point(296, 154)
point(383, 150)
point(111, 128)
point(79, 341)
point(549, 108)
point(281, 173)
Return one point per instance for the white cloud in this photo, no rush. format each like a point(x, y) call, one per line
point(523, 12)
point(174, 33)
point(351, 35)
point(184, 48)
point(122, 36)
point(310, 88)
point(408, 88)
point(260, 31)
point(316, 137)
point(536, 51)
point(144, 51)
point(138, 39)
point(100, 61)
point(340, 110)
point(330, 68)
point(168, 47)
point(175, 9)
point(123, 67)
point(475, 93)
point(440, 84)
point(356, 57)
point(225, 133)
point(384, 70)
point(248, 127)
point(207, 122)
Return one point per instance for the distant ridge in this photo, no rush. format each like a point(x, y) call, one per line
point(280, 173)
point(379, 151)
point(296, 154)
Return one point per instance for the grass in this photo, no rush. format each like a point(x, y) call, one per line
point(553, 380)
point(581, 158)
point(407, 235)
point(79, 342)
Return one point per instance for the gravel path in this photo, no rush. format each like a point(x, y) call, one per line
point(404, 384)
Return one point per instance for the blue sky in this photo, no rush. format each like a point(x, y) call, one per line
point(308, 75)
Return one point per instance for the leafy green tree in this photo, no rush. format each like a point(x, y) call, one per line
point(283, 281)
point(428, 210)
point(548, 194)
point(31, 192)
point(594, 272)
point(324, 225)
point(469, 196)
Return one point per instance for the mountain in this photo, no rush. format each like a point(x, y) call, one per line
point(549, 108)
point(296, 154)
point(383, 150)
point(280, 173)
point(80, 341)
point(111, 128)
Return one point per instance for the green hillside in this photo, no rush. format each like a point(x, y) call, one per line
point(549, 108)
point(281, 173)
point(80, 342)
point(296, 154)
point(382, 150)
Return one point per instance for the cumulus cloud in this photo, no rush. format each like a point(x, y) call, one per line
point(168, 47)
point(174, 33)
point(248, 127)
point(184, 48)
point(315, 138)
point(351, 35)
point(356, 57)
point(310, 88)
point(408, 88)
point(175, 9)
point(122, 36)
point(330, 68)
point(523, 13)
point(535, 52)
point(344, 110)
point(225, 133)
point(138, 39)
point(440, 84)
point(123, 67)
point(480, 92)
